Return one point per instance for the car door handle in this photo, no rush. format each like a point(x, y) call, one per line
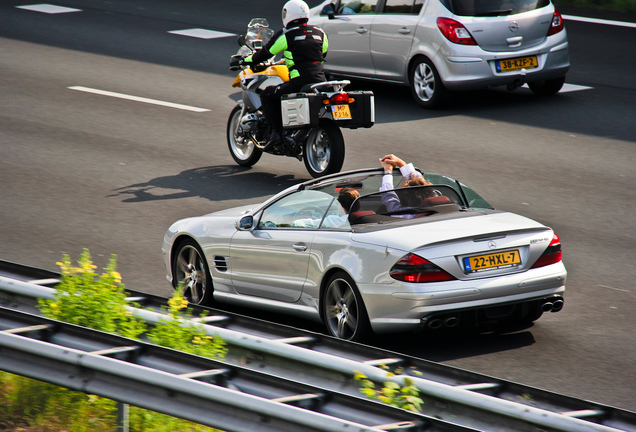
point(404, 31)
point(300, 247)
point(361, 30)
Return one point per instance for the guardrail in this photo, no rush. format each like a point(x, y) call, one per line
point(453, 395)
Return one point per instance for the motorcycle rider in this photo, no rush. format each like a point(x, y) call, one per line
point(304, 48)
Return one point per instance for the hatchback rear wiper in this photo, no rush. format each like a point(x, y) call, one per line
point(502, 12)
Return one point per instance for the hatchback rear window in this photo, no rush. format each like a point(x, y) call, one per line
point(478, 8)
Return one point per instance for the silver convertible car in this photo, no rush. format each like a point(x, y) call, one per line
point(442, 257)
point(439, 45)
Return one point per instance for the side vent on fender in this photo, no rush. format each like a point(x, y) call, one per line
point(220, 263)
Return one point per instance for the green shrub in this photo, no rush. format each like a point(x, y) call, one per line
point(406, 396)
point(99, 302)
point(85, 299)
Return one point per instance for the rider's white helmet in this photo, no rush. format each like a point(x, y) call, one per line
point(293, 10)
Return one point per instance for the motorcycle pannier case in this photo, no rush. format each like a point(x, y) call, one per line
point(305, 109)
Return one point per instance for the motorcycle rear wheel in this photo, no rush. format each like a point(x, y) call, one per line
point(244, 153)
point(324, 149)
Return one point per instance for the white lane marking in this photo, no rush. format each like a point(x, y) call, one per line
point(616, 289)
point(573, 87)
point(138, 99)
point(568, 88)
point(48, 8)
point(600, 21)
point(201, 33)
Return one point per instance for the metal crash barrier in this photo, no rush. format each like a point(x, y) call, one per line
point(453, 399)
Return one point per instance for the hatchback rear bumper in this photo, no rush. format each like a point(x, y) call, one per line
point(472, 72)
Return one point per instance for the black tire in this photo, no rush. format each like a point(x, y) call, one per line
point(190, 268)
point(427, 88)
point(324, 149)
point(243, 153)
point(547, 87)
point(344, 313)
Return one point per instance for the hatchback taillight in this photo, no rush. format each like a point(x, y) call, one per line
point(557, 23)
point(414, 268)
point(551, 255)
point(455, 31)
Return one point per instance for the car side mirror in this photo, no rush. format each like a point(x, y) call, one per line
point(245, 223)
point(329, 10)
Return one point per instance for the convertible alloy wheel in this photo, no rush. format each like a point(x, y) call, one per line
point(191, 271)
point(345, 315)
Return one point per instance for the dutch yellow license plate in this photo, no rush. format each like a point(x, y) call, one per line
point(341, 112)
point(491, 261)
point(517, 64)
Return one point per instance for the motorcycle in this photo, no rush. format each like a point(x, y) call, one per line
point(312, 118)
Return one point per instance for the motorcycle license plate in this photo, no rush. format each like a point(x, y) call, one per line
point(497, 260)
point(341, 112)
point(517, 64)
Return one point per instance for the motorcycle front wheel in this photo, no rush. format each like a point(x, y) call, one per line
point(324, 149)
point(242, 149)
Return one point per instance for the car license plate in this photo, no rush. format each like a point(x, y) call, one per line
point(517, 64)
point(341, 112)
point(491, 261)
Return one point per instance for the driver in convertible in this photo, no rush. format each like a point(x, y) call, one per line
point(304, 48)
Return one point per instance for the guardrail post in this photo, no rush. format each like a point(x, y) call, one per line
point(122, 417)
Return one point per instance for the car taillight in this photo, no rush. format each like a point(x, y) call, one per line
point(455, 31)
point(557, 23)
point(340, 98)
point(551, 255)
point(414, 268)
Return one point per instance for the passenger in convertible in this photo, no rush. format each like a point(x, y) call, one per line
point(419, 198)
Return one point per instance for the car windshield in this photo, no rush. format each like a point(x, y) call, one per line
point(405, 203)
point(368, 182)
point(478, 8)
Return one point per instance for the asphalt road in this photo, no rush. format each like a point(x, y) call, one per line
point(82, 170)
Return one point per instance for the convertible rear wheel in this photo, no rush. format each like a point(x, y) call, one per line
point(345, 315)
point(190, 270)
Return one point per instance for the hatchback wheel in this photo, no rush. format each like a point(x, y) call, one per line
point(547, 87)
point(426, 86)
point(345, 314)
point(190, 270)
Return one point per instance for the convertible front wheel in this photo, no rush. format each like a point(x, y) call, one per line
point(190, 270)
point(344, 312)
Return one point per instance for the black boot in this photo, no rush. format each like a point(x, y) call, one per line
point(275, 138)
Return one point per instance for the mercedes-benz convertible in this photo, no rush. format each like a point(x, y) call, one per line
point(442, 258)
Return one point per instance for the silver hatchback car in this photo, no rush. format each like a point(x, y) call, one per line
point(436, 46)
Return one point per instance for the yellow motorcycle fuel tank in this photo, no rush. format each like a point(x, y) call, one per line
point(280, 71)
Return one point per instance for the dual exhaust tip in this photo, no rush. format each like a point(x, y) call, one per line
point(552, 304)
point(435, 323)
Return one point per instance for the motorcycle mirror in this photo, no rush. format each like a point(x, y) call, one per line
point(241, 40)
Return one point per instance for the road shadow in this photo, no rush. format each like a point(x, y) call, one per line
point(214, 183)
point(452, 345)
